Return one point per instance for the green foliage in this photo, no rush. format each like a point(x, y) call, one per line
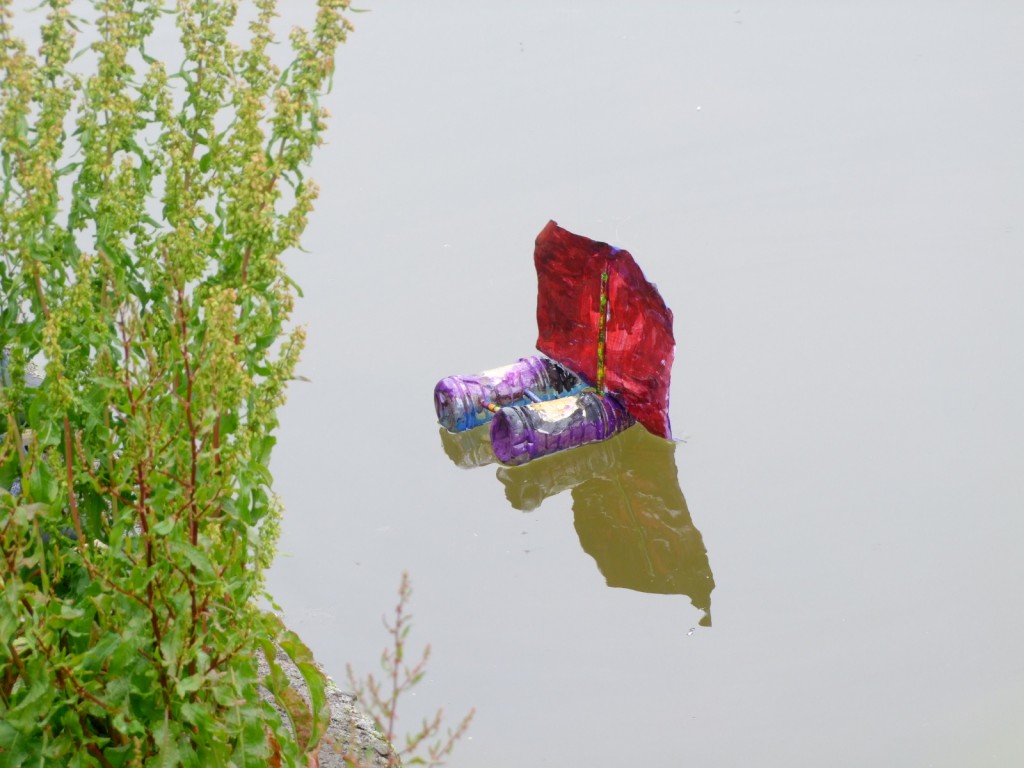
point(144, 210)
point(381, 697)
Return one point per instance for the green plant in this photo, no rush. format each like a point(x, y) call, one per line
point(145, 209)
point(381, 697)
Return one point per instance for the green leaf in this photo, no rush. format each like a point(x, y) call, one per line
point(262, 447)
point(190, 684)
point(70, 612)
point(316, 682)
point(196, 558)
point(170, 647)
point(165, 736)
point(118, 757)
point(42, 485)
point(14, 744)
point(164, 527)
point(94, 506)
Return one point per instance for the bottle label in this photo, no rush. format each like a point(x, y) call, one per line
point(554, 410)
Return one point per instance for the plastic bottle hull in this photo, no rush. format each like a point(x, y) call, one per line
point(524, 432)
point(461, 402)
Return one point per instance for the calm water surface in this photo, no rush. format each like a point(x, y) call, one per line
point(826, 570)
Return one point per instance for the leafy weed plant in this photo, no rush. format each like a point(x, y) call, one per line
point(144, 210)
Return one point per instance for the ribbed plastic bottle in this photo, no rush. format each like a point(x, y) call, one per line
point(460, 401)
point(522, 433)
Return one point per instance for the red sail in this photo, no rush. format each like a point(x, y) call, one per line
point(639, 344)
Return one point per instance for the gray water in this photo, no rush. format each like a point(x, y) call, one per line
point(830, 198)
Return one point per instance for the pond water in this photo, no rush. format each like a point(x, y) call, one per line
point(825, 569)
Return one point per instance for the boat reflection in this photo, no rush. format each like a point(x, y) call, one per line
point(469, 449)
point(628, 509)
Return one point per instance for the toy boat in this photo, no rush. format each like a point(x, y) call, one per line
point(607, 337)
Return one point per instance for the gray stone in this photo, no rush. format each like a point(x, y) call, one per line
point(351, 732)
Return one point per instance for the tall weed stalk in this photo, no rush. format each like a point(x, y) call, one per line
point(431, 743)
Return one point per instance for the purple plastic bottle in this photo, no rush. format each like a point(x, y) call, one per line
point(524, 432)
point(460, 401)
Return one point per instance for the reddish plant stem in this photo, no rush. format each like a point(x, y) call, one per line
point(72, 501)
point(93, 749)
point(193, 478)
point(396, 631)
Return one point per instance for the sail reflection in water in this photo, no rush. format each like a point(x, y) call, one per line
point(629, 511)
